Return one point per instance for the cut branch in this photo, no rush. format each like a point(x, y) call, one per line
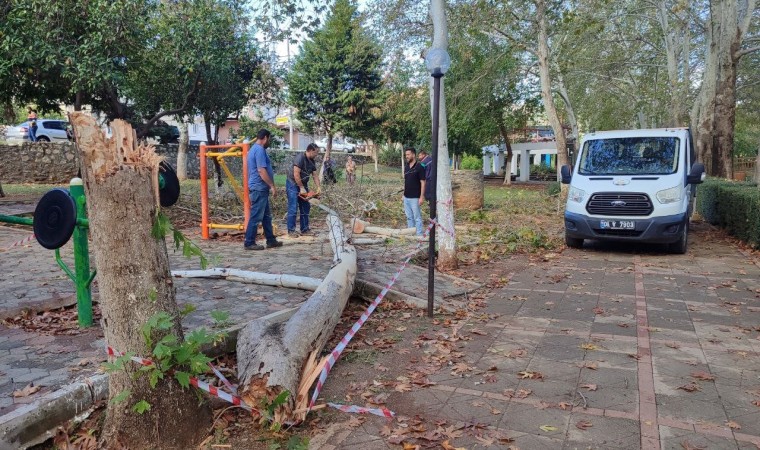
point(246, 276)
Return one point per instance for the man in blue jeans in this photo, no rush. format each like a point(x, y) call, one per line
point(414, 187)
point(260, 182)
point(297, 184)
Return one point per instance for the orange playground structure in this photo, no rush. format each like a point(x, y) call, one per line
point(218, 153)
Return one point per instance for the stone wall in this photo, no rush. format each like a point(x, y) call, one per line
point(56, 163)
point(467, 188)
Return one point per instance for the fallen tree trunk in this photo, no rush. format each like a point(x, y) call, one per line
point(272, 358)
point(359, 226)
point(246, 276)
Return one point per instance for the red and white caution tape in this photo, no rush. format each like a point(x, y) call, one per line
point(442, 228)
point(17, 243)
point(223, 379)
point(335, 354)
point(382, 412)
point(213, 390)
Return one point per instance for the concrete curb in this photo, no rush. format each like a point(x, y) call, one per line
point(36, 422)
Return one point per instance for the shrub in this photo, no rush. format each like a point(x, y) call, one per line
point(471, 162)
point(553, 189)
point(733, 206)
point(390, 155)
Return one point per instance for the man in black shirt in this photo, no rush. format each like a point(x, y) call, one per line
point(297, 184)
point(414, 186)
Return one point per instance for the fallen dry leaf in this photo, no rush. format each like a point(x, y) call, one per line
point(598, 310)
point(487, 441)
point(702, 376)
point(583, 425)
point(589, 346)
point(30, 389)
point(530, 375)
point(590, 387)
point(623, 325)
point(690, 387)
point(733, 425)
point(520, 393)
point(673, 345)
point(590, 365)
point(548, 428)
point(564, 406)
point(447, 446)
point(355, 421)
point(410, 446)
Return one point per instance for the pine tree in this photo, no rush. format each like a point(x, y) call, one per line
point(335, 84)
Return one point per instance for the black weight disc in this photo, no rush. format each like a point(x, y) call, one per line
point(54, 219)
point(169, 194)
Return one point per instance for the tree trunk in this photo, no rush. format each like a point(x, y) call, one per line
point(757, 168)
point(546, 85)
point(272, 358)
point(571, 118)
point(509, 155)
point(328, 152)
point(121, 184)
point(447, 246)
point(182, 151)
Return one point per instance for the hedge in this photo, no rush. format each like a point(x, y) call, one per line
point(733, 206)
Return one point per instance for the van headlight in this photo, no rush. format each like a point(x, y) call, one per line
point(576, 195)
point(671, 195)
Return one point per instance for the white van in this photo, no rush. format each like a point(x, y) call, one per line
point(632, 185)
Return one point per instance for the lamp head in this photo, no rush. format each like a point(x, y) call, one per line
point(437, 61)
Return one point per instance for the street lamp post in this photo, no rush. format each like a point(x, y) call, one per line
point(437, 62)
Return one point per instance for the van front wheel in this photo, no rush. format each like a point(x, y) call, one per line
point(573, 242)
point(681, 245)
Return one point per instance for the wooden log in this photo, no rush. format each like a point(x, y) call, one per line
point(272, 358)
point(246, 276)
point(390, 231)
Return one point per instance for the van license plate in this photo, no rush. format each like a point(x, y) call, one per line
point(617, 224)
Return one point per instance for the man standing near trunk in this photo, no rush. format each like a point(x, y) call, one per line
point(297, 186)
point(414, 186)
point(260, 182)
point(425, 161)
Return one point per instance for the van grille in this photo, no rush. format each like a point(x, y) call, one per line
point(619, 204)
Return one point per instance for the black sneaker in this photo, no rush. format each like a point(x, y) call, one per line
point(254, 247)
point(274, 244)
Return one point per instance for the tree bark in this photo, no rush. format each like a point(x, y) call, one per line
point(447, 246)
point(121, 183)
point(543, 54)
point(182, 151)
point(272, 358)
point(509, 155)
point(246, 276)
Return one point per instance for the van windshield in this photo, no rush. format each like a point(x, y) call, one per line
point(630, 156)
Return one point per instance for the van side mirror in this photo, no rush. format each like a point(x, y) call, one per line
point(567, 173)
point(697, 174)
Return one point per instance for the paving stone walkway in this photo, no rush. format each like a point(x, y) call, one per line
point(32, 280)
point(654, 351)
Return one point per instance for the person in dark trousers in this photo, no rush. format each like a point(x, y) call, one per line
point(31, 117)
point(260, 183)
point(300, 173)
point(329, 174)
point(425, 161)
point(414, 186)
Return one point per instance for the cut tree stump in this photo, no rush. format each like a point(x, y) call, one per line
point(121, 184)
point(281, 357)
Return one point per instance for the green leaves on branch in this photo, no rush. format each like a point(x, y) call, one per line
point(162, 226)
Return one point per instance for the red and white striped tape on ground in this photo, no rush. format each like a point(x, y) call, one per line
point(213, 390)
point(223, 379)
point(17, 243)
point(335, 354)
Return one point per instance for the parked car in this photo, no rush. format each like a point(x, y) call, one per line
point(341, 145)
point(48, 130)
point(633, 185)
point(164, 133)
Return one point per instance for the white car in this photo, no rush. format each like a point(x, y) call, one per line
point(48, 130)
point(337, 144)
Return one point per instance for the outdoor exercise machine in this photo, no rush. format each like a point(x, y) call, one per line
point(61, 214)
point(219, 153)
